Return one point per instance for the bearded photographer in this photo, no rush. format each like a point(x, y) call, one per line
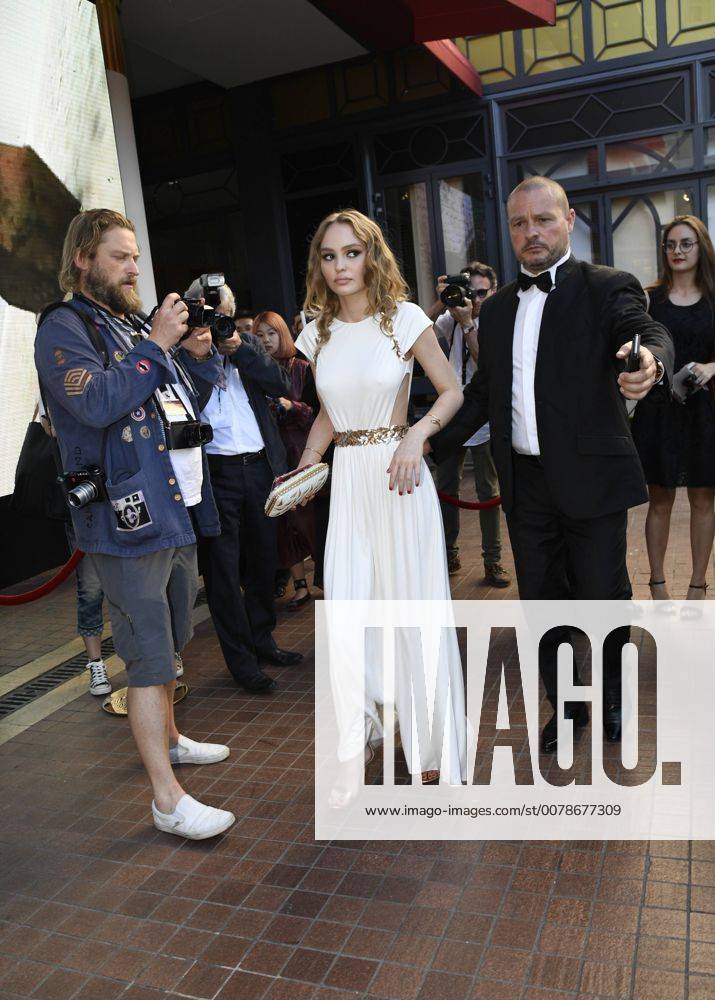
point(119, 395)
point(245, 455)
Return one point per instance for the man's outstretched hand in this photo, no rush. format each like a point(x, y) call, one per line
point(636, 385)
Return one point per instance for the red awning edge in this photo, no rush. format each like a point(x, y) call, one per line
point(449, 55)
point(457, 18)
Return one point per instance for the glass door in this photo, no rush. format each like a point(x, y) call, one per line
point(438, 223)
point(407, 210)
point(463, 225)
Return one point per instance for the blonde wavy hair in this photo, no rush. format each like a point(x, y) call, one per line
point(385, 285)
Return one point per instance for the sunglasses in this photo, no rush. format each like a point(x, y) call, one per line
point(481, 293)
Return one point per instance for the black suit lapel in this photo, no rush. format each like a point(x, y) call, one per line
point(501, 348)
point(561, 308)
point(507, 317)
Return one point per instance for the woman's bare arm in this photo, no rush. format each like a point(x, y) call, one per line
point(319, 439)
point(404, 469)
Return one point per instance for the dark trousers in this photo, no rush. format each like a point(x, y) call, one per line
point(239, 566)
point(560, 558)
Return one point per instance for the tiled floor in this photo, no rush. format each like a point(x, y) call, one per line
point(94, 903)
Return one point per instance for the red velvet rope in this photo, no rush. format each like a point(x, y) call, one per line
point(46, 588)
point(76, 557)
point(469, 504)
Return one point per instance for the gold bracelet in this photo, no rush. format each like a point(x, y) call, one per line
point(436, 420)
point(315, 452)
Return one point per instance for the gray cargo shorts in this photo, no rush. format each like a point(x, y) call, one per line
point(151, 599)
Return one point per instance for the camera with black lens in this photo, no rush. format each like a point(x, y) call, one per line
point(685, 383)
point(279, 410)
point(458, 290)
point(84, 486)
point(187, 434)
point(204, 313)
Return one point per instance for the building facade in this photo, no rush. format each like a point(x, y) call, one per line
point(616, 101)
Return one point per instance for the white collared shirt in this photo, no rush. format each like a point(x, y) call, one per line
point(453, 333)
point(234, 423)
point(524, 433)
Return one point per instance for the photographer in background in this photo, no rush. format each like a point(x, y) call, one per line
point(118, 396)
point(246, 454)
point(456, 330)
point(243, 320)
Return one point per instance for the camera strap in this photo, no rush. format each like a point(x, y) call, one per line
point(172, 400)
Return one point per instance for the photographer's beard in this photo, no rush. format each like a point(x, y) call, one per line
point(119, 298)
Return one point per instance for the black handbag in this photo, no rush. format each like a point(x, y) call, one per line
point(37, 492)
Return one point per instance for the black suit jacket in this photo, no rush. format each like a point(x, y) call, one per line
point(589, 458)
point(261, 376)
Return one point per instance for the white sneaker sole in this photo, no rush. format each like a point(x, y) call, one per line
point(203, 835)
point(204, 759)
point(100, 690)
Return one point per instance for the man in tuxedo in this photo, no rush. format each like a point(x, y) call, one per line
point(551, 383)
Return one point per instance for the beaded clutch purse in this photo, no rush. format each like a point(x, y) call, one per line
point(294, 487)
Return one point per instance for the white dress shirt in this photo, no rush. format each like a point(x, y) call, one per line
point(524, 434)
point(453, 334)
point(234, 423)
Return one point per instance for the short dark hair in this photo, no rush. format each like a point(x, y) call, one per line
point(243, 314)
point(483, 270)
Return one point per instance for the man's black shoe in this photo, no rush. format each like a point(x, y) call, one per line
point(260, 683)
point(279, 657)
point(612, 721)
point(549, 734)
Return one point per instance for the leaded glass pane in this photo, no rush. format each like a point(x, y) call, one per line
point(690, 21)
point(461, 201)
point(409, 234)
point(710, 218)
point(585, 238)
point(637, 222)
point(569, 165)
point(494, 56)
point(623, 27)
point(654, 154)
point(558, 47)
point(710, 145)
point(632, 107)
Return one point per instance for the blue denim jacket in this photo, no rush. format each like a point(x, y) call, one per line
point(94, 410)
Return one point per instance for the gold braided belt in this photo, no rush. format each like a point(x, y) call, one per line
point(376, 435)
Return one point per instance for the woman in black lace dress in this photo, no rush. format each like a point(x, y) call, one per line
point(676, 440)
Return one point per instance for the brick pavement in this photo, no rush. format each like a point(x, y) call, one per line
point(94, 903)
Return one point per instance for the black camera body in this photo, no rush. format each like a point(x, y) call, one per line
point(84, 486)
point(279, 410)
point(189, 434)
point(459, 291)
point(204, 314)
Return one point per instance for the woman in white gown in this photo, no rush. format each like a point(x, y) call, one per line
point(385, 539)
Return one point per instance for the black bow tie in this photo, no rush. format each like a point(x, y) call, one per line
point(542, 281)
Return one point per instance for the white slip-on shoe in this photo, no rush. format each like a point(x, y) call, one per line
point(190, 752)
point(193, 820)
point(99, 682)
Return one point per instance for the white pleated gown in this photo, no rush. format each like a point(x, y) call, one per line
point(380, 545)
